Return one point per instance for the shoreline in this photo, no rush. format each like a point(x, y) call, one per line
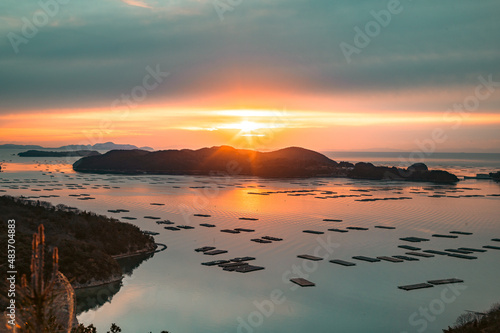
point(98, 283)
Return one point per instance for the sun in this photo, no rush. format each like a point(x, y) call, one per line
point(248, 126)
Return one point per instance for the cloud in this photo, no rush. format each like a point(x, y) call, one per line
point(136, 3)
point(285, 49)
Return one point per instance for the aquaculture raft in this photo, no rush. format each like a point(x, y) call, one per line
point(342, 262)
point(303, 282)
point(313, 232)
point(366, 258)
point(445, 281)
point(309, 257)
point(408, 247)
point(390, 259)
point(420, 254)
point(338, 230)
point(416, 286)
point(214, 252)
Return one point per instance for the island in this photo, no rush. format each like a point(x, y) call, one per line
point(291, 162)
point(44, 153)
point(495, 176)
point(88, 243)
point(97, 146)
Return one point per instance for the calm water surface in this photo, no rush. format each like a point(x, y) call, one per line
point(172, 291)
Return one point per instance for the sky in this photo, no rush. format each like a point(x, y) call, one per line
point(409, 75)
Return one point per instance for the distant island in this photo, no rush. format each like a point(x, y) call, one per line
point(97, 146)
point(292, 162)
point(88, 243)
point(47, 153)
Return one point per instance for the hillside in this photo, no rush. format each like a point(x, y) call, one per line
point(288, 162)
point(86, 241)
point(224, 160)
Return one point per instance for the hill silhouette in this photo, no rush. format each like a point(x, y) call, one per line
point(225, 160)
point(288, 162)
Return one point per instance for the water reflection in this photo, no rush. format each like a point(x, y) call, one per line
point(93, 298)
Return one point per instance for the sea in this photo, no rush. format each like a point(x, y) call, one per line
point(171, 290)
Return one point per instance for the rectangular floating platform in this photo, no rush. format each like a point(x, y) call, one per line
point(366, 258)
point(230, 231)
point(248, 269)
point(408, 247)
point(356, 228)
point(471, 249)
point(416, 286)
point(248, 218)
point(331, 220)
point(205, 248)
point(303, 282)
point(214, 263)
point(459, 251)
point(444, 236)
point(165, 222)
point(338, 230)
point(241, 259)
point(232, 264)
point(390, 259)
point(313, 232)
point(460, 232)
point(244, 229)
point(202, 215)
point(171, 228)
point(461, 256)
point(309, 257)
point(491, 247)
point(262, 241)
point(406, 258)
point(445, 281)
point(276, 239)
point(208, 225)
point(420, 254)
point(342, 262)
point(185, 227)
point(384, 227)
point(441, 253)
point(414, 239)
point(214, 252)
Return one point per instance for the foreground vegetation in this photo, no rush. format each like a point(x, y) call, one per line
point(86, 241)
point(45, 301)
point(473, 322)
